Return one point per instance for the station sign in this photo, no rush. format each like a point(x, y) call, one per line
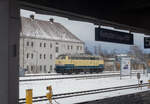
point(113, 36)
point(146, 42)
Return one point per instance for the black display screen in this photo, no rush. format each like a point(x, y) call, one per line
point(146, 42)
point(113, 36)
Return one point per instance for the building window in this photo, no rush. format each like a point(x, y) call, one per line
point(32, 44)
point(71, 47)
point(56, 43)
point(32, 55)
point(27, 55)
point(40, 56)
point(44, 56)
point(44, 68)
point(51, 68)
point(51, 57)
point(57, 49)
point(31, 68)
point(68, 47)
point(40, 68)
point(27, 43)
point(44, 44)
point(40, 44)
point(51, 45)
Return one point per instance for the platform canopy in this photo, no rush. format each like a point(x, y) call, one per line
point(133, 15)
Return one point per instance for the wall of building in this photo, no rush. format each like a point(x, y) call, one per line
point(110, 64)
point(38, 55)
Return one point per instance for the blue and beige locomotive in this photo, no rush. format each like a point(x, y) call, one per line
point(76, 63)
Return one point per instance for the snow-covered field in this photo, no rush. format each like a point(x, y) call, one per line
point(73, 85)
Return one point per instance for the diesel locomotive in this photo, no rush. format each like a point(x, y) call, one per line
point(76, 63)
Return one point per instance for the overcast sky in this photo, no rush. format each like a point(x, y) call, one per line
point(86, 32)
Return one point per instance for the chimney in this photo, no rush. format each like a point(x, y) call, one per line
point(51, 20)
point(32, 16)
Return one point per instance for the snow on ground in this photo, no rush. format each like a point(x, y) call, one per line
point(81, 84)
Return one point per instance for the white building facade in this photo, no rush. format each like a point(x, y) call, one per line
point(42, 41)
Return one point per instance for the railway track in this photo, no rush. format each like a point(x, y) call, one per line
point(57, 74)
point(72, 77)
point(81, 93)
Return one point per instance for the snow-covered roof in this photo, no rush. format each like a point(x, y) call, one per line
point(46, 29)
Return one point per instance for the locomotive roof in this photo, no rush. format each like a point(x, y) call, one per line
point(79, 55)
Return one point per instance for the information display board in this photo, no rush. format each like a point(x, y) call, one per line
point(113, 36)
point(146, 42)
point(125, 66)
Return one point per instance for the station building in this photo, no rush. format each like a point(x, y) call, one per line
point(42, 41)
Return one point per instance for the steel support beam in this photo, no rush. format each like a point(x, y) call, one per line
point(9, 60)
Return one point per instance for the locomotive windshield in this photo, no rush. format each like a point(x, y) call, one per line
point(61, 57)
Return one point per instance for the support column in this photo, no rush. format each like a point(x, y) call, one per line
point(9, 57)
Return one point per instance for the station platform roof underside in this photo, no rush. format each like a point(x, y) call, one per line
point(132, 15)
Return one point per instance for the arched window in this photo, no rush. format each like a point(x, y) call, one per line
point(40, 44)
point(51, 45)
point(27, 43)
point(51, 57)
point(40, 68)
point(32, 55)
point(27, 55)
point(44, 44)
point(32, 44)
point(44, 56)
point(40, 56)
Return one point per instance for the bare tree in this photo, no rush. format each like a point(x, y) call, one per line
point(100, 51)
point(95, 50)
point(113, 53)
point(87, 51)
point(137, 53)
point(138, 57)
point(105, 54)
